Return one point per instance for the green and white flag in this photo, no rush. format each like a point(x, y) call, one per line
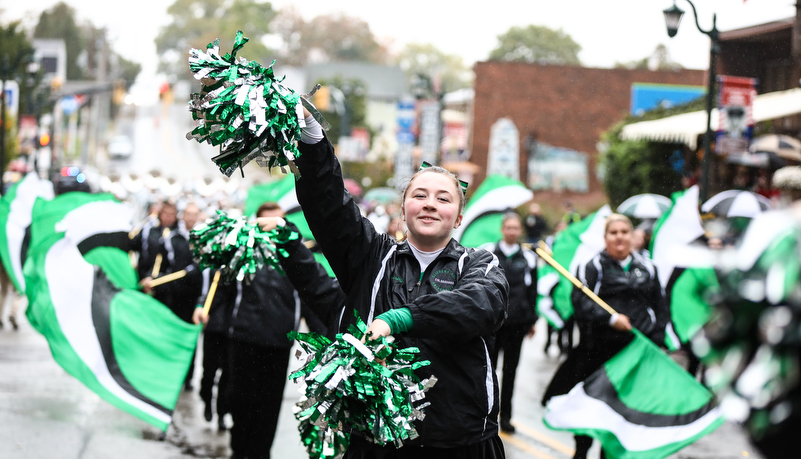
point(685, 273)
point(483, 215)
point(15, 218)
point(124, 345)
point(573, 247)
point(639, 404)
point(282, 191)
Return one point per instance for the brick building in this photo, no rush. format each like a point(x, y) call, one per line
point(562, 106)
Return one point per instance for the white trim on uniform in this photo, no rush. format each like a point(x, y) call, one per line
point(377, 283)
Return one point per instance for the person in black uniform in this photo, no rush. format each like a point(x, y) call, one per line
point(215, 348)
point(535, 224)
point(260, 314)
point(164, 249)
point(427, 291)
point(520, 266)
point(629, 284)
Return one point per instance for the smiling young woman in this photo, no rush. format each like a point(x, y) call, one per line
point(428, 291)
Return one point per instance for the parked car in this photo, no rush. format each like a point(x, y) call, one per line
point(120, 147)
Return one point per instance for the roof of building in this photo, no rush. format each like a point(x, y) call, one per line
point(759, 32)
point(382, 81)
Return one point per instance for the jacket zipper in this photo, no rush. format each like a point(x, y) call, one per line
point(416, 287)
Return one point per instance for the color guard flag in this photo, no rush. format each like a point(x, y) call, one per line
point(639, 404)
point(124, 345)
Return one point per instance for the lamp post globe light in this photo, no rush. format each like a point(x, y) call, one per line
point(672, 20)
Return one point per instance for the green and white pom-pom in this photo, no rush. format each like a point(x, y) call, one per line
point(368, 387)
point(236, 247)
point(244, 109)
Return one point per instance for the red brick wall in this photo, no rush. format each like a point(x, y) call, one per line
point(563, 106)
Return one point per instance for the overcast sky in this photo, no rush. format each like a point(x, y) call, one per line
point(608, 31)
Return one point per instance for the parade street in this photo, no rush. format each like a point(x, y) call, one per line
point(48, 414)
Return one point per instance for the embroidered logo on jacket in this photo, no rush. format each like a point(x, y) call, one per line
point(443, 280)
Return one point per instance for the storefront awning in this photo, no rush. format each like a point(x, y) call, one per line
point(686, 128)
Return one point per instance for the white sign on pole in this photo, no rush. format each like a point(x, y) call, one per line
point(504, 149)
point(404, 161)
point(11, 90)
point(429, 131)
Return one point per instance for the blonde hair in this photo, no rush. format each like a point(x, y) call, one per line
point(438, 170)
point(617, 218)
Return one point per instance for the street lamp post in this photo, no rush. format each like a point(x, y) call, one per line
point(3, 77)
point(672, 19)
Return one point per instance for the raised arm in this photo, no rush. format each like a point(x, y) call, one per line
point(345, 236)
point(317, 290)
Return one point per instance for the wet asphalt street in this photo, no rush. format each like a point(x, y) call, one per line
point(47, 414)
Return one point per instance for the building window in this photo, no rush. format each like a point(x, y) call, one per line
point(557, 169)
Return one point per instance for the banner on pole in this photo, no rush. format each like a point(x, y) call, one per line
point(735, 109)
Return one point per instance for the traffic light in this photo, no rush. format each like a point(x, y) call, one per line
point(322, 98)
point(44, 139)
point(164, 89)
point(118, 95)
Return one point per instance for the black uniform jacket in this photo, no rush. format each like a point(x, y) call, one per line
point(635, 293)
point(521, 273)
point(456, 305)
point(180, 295)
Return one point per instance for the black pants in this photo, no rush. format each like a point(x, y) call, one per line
point(360, 448)
point(565, 336)
point(215, 357)
point(510, 340)
point(255, 391)
point(190, 373)
point(583, 445)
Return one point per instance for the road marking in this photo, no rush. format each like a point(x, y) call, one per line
point(544, 439)
point(525, 447)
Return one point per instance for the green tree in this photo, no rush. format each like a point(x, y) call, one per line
point(127, 70)
point(659, 59)
point(117, 66)
point(426, 59)
point(343, 38)
point(633, 167)
point(536, 44)
point(15, 53)
point(326, 38)
point(59, 22)
point(196, 23)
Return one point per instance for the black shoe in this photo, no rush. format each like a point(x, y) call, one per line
point(207, 412)
point(507, 426)
point(13, 321)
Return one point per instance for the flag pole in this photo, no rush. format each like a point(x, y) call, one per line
point(168, 278)
point(210, 296)
point(542, 251)
point(157, 263)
